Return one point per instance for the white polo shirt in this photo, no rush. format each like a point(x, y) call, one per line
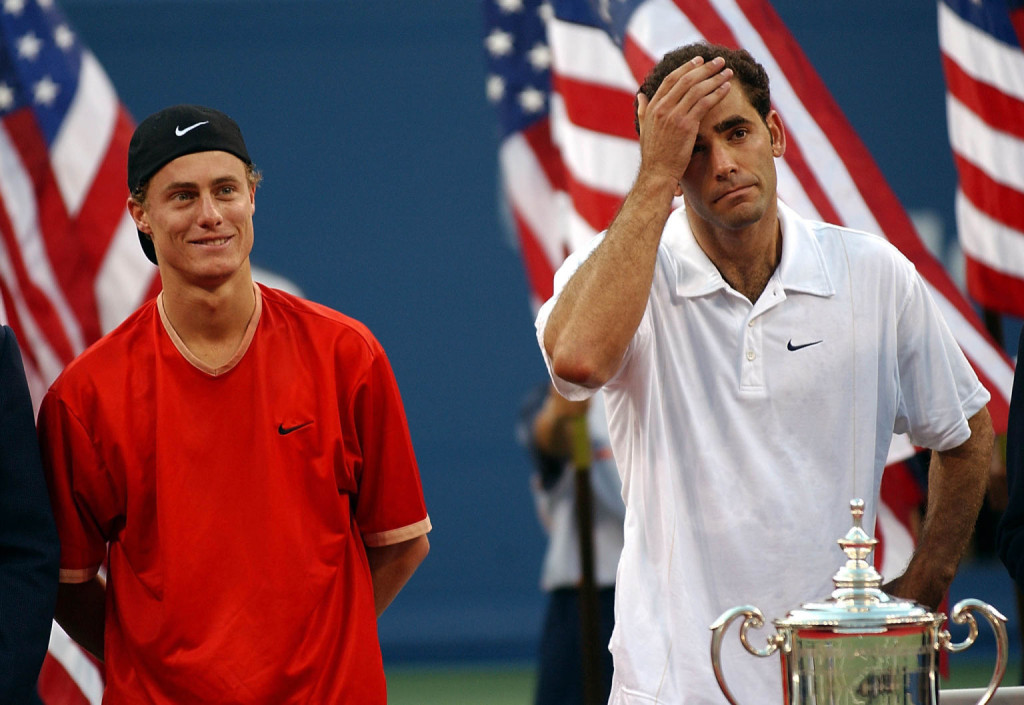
point(742, 431)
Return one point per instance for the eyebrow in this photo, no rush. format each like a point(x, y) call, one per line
point(730, 123)
point(192, 184)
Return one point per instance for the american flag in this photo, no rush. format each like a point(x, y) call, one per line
point(984, 66)
point(563, 75)
point(70, 263)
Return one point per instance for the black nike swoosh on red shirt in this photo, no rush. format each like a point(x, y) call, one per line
point(284, 431)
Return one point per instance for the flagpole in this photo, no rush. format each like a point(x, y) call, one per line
point(589, 609)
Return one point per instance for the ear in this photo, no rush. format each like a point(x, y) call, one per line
point(641, 109)
point(778, 133)
point(138, 213)
point(252, 200)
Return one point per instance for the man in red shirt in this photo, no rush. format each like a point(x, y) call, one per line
point(241, 456)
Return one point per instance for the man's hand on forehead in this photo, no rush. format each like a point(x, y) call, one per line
point(670, 120)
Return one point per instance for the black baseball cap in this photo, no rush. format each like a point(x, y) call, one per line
point(174, 132)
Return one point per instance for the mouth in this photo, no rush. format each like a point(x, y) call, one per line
point(213, 241)
point(734, 191)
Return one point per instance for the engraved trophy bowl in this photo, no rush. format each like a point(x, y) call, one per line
point(860, 645)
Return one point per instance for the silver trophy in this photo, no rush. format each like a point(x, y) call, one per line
point(861, 645)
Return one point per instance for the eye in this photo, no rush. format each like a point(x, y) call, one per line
point(740, 132)
point(181, 196)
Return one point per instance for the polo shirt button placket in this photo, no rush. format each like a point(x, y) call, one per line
point(751, 370)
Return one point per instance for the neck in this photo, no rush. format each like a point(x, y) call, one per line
point(211, 322)
point(747, 257)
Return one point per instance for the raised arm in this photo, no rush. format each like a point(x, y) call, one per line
point(600, 308)
point(957, 480)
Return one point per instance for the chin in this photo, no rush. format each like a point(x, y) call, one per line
point(741, 217)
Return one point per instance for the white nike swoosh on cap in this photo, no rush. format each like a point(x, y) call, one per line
point(179, 132)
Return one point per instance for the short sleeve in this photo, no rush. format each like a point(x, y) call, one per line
point(83, 496)
point(939, 390)
point(389, 505)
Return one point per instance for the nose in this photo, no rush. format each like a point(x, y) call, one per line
point(209, 213)
point(723, 162)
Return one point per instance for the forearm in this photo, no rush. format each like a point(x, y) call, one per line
point(600, 308)
point(957, 481)
point(81, 611)
point(392, 566)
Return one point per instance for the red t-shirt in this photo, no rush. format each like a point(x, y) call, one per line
point(236, 504)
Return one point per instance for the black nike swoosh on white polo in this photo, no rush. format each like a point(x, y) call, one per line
point(790, 346)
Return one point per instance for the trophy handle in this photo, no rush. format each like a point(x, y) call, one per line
point(962, 614)
point(754, 619)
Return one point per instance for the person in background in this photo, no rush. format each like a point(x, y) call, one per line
point(545, 428)
point(29, 551)
point(242, 452)
point(755, 365)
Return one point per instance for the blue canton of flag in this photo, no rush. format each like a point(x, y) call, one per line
point(40, 64)
point(519, 87)
point(990, 16)
point(519, 62)
point(611, 16)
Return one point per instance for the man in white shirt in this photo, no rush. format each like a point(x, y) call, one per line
point(755, 366)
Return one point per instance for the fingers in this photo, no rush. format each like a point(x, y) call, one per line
point(695, 85)
point(670, 120)
point(641, 105)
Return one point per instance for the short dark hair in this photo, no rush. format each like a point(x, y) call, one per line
point(746, 70)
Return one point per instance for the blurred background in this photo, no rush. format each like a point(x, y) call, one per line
point(381, 199)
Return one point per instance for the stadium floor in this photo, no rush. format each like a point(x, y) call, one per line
point(513, 685)
point(461, 685)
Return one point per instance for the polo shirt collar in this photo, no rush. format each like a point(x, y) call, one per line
point(801, 269)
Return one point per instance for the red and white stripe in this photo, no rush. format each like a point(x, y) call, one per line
point(985, 114)
point(70, 265)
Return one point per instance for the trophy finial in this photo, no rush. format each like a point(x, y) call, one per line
point(857, 577)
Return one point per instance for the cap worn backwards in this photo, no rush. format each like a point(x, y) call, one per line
point(174, 132)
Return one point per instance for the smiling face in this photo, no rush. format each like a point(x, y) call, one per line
point(198, 212)
point(730, 183)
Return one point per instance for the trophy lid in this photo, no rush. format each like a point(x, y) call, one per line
point(858, 602)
